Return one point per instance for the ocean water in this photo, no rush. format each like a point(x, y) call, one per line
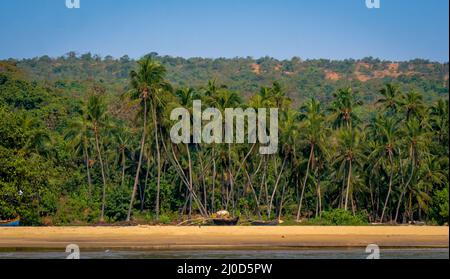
point(353, 253)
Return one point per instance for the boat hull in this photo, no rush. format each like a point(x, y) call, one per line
point(10, 223)
point(226, 222)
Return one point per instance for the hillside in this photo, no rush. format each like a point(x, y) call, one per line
point(300, 78)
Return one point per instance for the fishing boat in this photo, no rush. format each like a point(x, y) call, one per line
point(10, 223)
point(225, 221)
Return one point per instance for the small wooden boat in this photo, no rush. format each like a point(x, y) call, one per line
point(10, 223)
point(265, 223)
point(226, 221)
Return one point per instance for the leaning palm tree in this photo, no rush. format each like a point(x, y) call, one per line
point(148, 87)
point(96, 111)
point(224, 99)
point(289, 133)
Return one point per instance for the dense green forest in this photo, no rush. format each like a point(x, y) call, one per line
point(301, 79)
point(85, 140)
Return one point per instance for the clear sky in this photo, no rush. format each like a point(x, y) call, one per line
point(335, 29)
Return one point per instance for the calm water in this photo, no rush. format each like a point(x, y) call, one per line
point(233, 254)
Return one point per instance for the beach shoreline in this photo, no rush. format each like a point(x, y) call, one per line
point(238, 237)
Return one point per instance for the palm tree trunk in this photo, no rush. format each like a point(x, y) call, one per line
point(123, 166)
point(202, 175)
point(281, 201)
point(88, 172)
point(266, 190)
point(136, 178)
point(190, 178)
point(142, 190)
point(276, 186)
point(231, 180)
point(348, 185)
point(158, 158)
point(186, 182)
point(405, 187)
point(213, 180)
point(102, 216)
point(341, 199)
point(320, 198)
point(254, 193)
point(304, 182)
point(389, 189)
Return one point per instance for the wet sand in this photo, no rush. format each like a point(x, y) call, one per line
point(239, 237)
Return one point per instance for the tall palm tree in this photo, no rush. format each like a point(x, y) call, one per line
point(96, 111)
point(349, 152)
point(148, 87)
point(78, 135)
point(385, 133)
point(416, 138)
point(313, 127)
point(222, 100)
point(289, 134)
point(186, 97)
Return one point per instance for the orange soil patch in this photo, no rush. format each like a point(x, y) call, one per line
point(393, 67)
point(391, 71)
point(330, 75)
point(256, 68)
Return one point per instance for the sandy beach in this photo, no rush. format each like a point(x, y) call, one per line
point(172, 238)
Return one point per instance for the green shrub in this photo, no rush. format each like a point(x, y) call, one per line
point(440, 206)
point(164, 219)
point(339, 217)
point(117, 201)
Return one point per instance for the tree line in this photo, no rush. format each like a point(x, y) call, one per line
point(380, 162)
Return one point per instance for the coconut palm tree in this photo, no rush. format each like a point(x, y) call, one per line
point(313, 127)
point(38, 139)
point(349, 152)
point(413, 105)
point(392, 98)
point(385, 132)
point(148, 87)
point(289, 134)
point(78, 135)
point(439, 120)
point(96, 112)
point(416, 138)
point(343, 108)
point(222, 100)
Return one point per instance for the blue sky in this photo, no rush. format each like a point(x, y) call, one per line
point(335, 29)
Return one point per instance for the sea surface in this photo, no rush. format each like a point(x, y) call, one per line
point(351, 253)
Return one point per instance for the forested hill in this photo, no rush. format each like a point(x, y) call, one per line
point(76, 150)
point(300, 78)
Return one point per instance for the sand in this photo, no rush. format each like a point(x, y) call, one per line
point(172, 238)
